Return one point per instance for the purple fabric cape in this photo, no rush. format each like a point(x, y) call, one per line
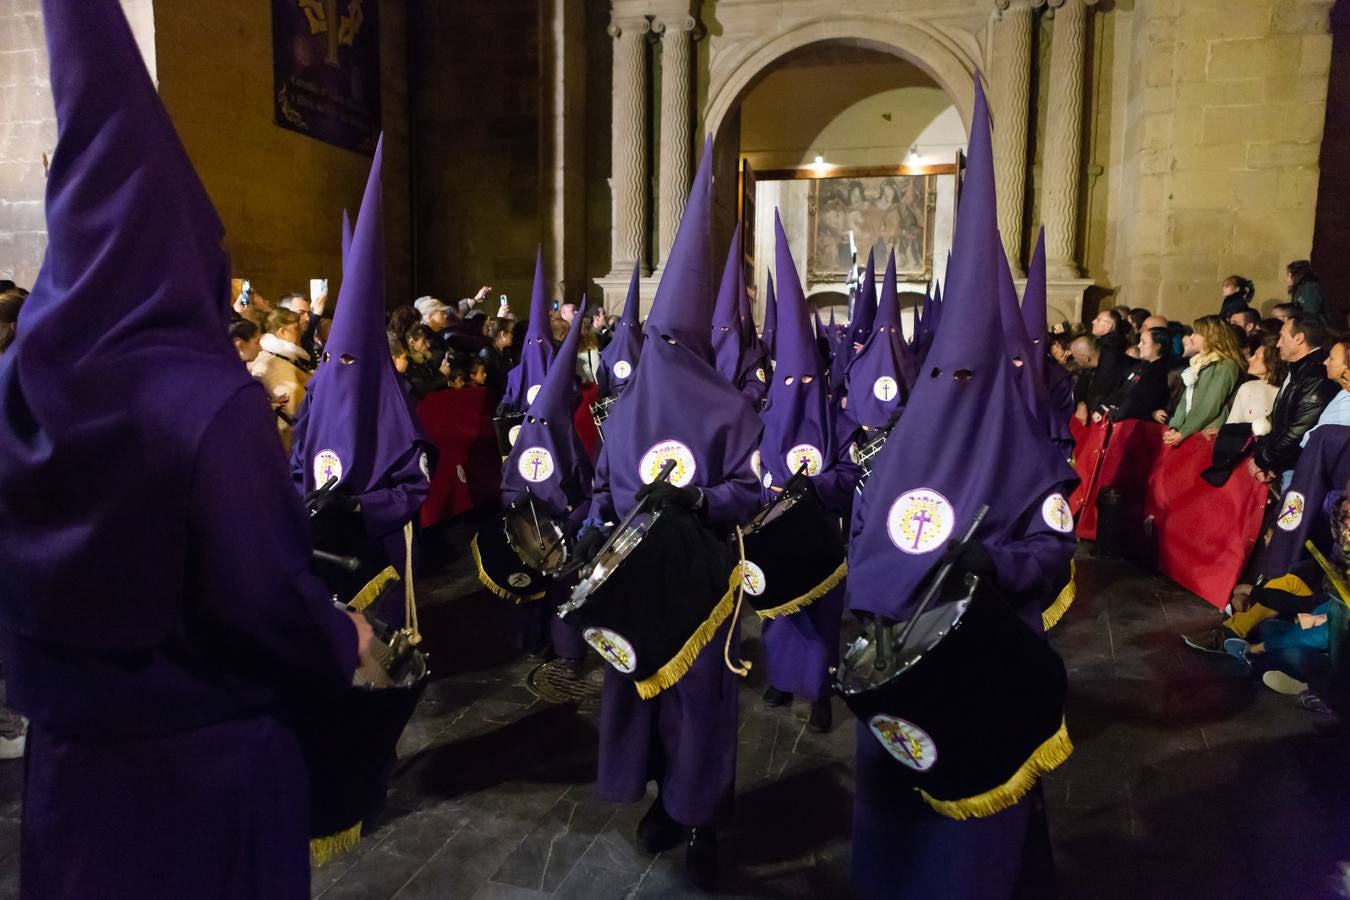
point(122, 360)
point(1323, 467)
point(619, 359)
point(548, 460)
point(965, 439)
point(355, 422)
point(537, 353)
point(871, 401)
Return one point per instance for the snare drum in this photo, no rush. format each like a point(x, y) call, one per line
point(600, 411)
point(794, 552)
point(972, 707)
point(516, 560)
point(653, 597)
point(349, 740)
point(865, 454)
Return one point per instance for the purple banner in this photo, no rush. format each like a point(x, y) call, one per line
point(326, 70)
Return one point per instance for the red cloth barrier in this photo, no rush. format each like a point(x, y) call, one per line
point(1126, 466)
point(585, 422)
point(1089, 445)
point(468, 474)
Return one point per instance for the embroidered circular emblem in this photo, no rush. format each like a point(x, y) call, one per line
point(752, 576)
point(513, 434)
point(685, 466)
point(535, 464)
point(425, 465)
point(613, 647)
point(326, 465)
point(854, 454)
point(757, 464)
point(761, 375)
point(906, 741)
point(1055, 512)
point(767, 480)
point(1291, 511)
point(920, 521)
point(532, 393)
point(885, 389)
point(463, 476)
point(805, 454)
point(518, 580)
point(623, 368)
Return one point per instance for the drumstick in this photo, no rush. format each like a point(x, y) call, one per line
point(1332, 575)
point(666, 468)
point(350, 563)
point(935, 586)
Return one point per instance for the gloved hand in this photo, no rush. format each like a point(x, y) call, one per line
point(333, 502)
point(974, 558)
point(588, 543)
point(664, 494)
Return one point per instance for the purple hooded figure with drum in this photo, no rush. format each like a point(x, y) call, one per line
point(803, 428)
point(684, 736)
point(151, 648)
point(965, 441)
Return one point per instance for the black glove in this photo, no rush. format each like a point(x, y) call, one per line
point(588, 544)
point(332, 502)
point(664, 494)
point(973, 557)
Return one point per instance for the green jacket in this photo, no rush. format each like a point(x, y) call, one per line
point(1210, 400)
point(1308, 298)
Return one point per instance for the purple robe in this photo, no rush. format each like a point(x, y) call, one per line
point(619, 359)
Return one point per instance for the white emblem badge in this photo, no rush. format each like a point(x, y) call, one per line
point(853, 453)
point(920, 521)
point(757, 464)
point(532, 393)
point(760, 374)
point(513, 434)
point(752, 576)
point(805, 454)
point(685, 466)
point(613, 647)
point(463, 476)
point(1055, 512)
point(426, 466)
point(518, 580)
point(326, 465)
point(885, 389)
point(623, 368)
point(767, 479)
point(535, 464)
point(1291, 511)
point(906, 741)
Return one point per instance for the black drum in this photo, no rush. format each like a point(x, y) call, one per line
point(865, 452)
point(600, 410)
point(350, 563)
point(507, 427)
point(654, 596)
point(349, 740)
point(794, 551)
point(516, 560)
point(972, 706)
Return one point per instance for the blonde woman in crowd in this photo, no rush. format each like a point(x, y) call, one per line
point(283, 367)
point(1216, 364)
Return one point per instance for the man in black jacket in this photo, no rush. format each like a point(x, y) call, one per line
point(1305, 393)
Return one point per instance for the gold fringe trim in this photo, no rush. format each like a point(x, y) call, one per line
point(809, 597)
point(494, 587)
point(1047, 757)
point(367, 594)
point(673, 671)
point(1055, 611)
point(325, 848)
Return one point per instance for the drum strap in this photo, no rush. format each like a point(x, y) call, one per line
point(409, 600)
point(743, 668)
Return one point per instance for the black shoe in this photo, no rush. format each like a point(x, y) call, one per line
point(658, 832)
point(774, 697)
point(540, 652)
point(822, 716)
point(700, 858)
point(571, 667)
point(1209, 641)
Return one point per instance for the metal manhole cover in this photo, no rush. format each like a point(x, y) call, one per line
point(552, 683)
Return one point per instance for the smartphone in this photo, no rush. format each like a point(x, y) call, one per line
point(245, 293)
point(502, 299)
point(318, 287)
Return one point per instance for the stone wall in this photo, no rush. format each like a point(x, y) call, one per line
point(1217, 161)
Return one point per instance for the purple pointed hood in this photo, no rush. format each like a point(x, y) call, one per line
point(839, 356)
point(121, 361)
point(727, 340)
point(524, 381)
point(965, 438)
point(677, 405)
point(882, 374)
point(756, 357)
point(620, 357)
point(799, 422)
point(865, 307)
point(548, 460)
point(355, 422)
point(1018, 348)
point(346, 237)
point(770, 317)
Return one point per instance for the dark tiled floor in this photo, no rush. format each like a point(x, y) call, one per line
point(1188, 780)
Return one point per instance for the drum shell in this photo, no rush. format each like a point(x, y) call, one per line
point(988, 694)
point(342, 533)
point(798, 553)
point(501, 570)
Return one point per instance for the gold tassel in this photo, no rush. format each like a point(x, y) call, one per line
point(1047, 757)
point(493, 586)
point(367, 594)
point(325, 848)
point(1051, 615)
point(805, 600)
point(673, 671)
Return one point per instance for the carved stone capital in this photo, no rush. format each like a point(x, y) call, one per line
point(677, 23)
point(618, 25)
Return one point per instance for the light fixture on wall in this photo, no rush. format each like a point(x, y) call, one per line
point(913, 159)
point(819, 166)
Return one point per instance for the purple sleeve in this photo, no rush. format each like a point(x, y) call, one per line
point(400, 495)
point(736, 497)
point(1036, 559)
point(252, 546)
point(835, 485)
point(602, 501)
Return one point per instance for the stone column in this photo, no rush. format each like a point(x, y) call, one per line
point(628, 153)
point(1010, 84)
point(675, 170)
point(1064, 137)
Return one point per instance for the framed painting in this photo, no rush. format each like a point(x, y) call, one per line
point(882, 213)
